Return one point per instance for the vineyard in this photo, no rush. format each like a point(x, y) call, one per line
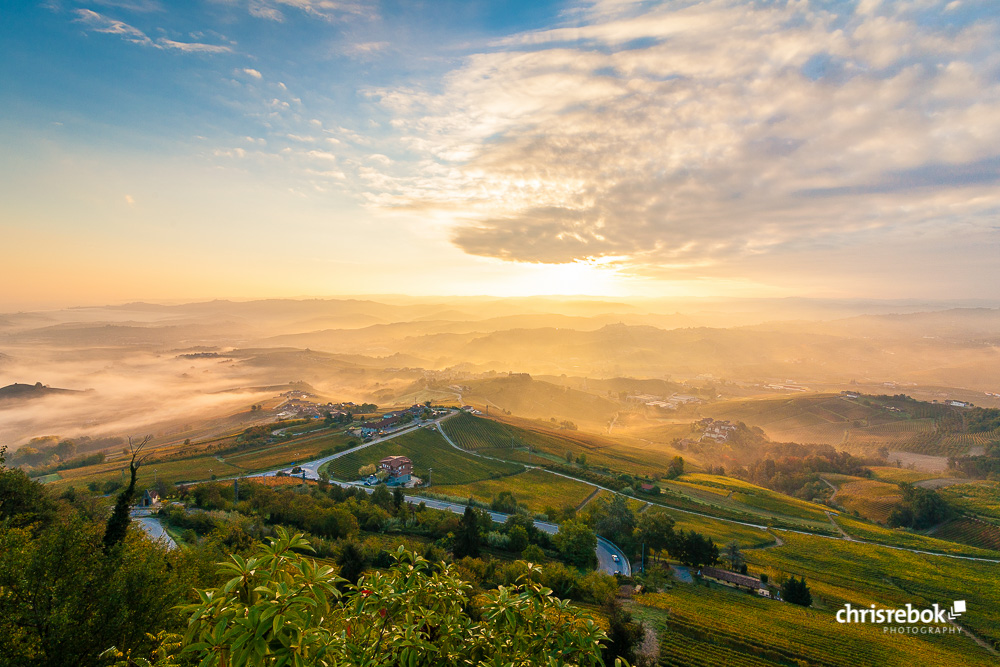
point(977, 497)
point(871, 499)
point(897, 475)
point(840, 571)
point(474, 434)
point(975, 532)
point(721, 626)
point(904, 538)
point(427, 449)
point(722, 532)
point(535, 488)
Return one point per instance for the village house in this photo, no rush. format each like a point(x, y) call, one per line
point(149, 498)
point(400, 468)
point(736, 579)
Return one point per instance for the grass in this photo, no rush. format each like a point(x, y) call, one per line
point(896, 475)
point(427, 449)
point(537, 489)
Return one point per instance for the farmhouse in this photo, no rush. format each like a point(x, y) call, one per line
point(149, 498)
point(736, 579)
point(399, 468)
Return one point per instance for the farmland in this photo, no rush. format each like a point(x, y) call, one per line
point(710, 625)
point(981, 497)
point(972, 531)
point(427, 449)
point(722, 532)
point(537, 441)
point(910, 540)
point(537, 489)
point(870, 498)
point(840, 571)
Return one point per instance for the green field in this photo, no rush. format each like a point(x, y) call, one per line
point(982, 497)
point(427, 449)
point(175, 469)
point(511, 438)
point(722, 532)
point(535, 488)
point(714, 625)
point(840, 571)
point(904, 538)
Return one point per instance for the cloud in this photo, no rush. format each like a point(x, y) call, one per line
point(696, 134)
point(130, 200)
point(252, 72)
point(95, 22)
point(327, 10)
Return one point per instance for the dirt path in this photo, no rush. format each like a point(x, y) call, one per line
point(836, 490)
point(829, 515)
point(587, 500)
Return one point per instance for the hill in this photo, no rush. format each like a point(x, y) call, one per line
point(17, 391)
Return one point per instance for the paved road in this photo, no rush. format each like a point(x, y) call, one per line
point(606, 551)
point(155, 529)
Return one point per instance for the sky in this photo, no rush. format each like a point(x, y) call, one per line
point(257, 148)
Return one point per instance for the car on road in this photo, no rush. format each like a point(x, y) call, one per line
point(614, 557)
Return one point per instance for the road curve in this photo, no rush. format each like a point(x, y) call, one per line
point(607, 551)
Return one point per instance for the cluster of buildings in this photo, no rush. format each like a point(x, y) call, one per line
point(297, 405)
point(671, 402)
point(392, 420)
point(716, 429)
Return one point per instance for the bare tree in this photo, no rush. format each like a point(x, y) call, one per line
point(118, 522)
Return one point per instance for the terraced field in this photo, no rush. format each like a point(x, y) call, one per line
point(535, 488)
point(427, 449)
point(719, 626)
point(870, 498)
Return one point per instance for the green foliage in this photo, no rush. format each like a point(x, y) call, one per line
point(504, 502)
point(467, 537)
point(576, 543)
point(920, 508)
point(676, 467)
point(280, 608)
point(693, 549)
point(796, 591)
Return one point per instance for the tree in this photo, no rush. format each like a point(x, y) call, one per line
point(351, 562)
point(676, 467)
point(504, 502)
point(734, 556)
point(118, 522)
point(577, 543)
point(366, 471)
point(382, 497)
point(397, 499)
point(796, 592)
point(624, 634)
point(569, 456)
point(655, 530)
point(518, 538)
point(693, 549)
point(614, 519)
point(467, 539)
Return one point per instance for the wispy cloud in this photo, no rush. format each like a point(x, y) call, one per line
point(327, 10)
point(252, 72)
point(689, 134)
point(95, 22)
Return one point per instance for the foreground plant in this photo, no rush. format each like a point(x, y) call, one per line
point(280, 608)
